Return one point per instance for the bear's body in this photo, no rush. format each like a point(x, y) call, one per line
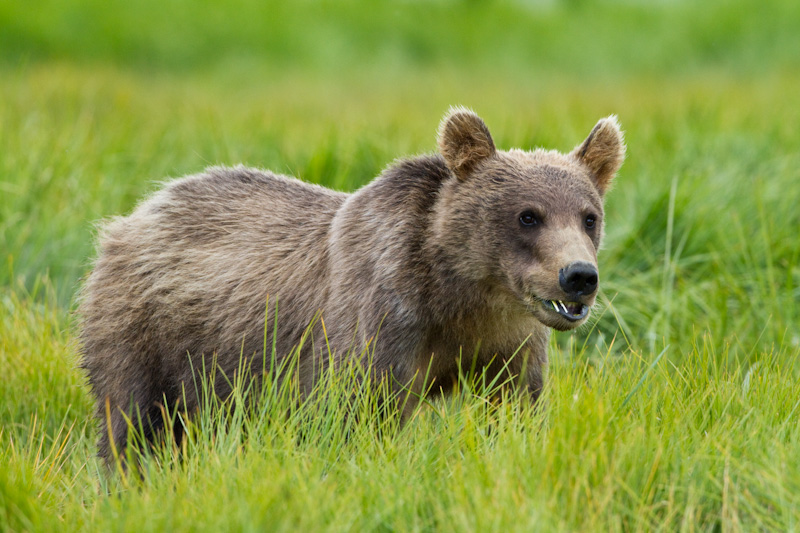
point(470, 251)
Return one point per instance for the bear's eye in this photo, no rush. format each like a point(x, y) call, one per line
point(528, 218)
point(590, 221)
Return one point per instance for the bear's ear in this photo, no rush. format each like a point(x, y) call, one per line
point(602, 152)
point(464, 141)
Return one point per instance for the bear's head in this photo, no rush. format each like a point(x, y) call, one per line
point(527, 223)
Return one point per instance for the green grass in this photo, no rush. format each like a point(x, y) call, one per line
point(677, 408)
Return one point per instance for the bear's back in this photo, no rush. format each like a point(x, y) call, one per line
point(241, 202)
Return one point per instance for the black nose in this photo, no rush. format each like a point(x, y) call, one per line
point(578, 278)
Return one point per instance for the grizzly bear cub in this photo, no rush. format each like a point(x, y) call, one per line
point(472, 250)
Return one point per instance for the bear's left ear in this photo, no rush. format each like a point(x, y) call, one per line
point(464, 141)
point(602, 152)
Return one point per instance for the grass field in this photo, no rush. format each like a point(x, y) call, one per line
point(676, 408)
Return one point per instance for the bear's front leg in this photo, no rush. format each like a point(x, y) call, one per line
point(521, 373)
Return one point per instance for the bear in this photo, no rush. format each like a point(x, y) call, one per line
point(471, 250)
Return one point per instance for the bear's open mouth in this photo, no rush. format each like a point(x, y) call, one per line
point(572, 311)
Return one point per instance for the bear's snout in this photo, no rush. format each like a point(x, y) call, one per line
point(578, 278)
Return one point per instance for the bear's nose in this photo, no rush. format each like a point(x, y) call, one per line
point(578, 278)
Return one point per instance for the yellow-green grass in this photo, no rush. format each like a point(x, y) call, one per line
point(676, 408)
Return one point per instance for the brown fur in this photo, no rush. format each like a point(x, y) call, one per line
point(432, 255)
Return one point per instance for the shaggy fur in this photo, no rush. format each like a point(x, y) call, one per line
point(433, 256)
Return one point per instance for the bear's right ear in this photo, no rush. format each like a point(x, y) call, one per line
point(464, 141)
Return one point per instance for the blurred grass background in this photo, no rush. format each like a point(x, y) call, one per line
point(100, 101)
point(606, 38)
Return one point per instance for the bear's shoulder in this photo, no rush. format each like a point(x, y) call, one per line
point(411, 183)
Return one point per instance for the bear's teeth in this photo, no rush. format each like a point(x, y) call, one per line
point(566, 308)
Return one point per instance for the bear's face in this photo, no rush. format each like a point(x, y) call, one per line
point(530, 223)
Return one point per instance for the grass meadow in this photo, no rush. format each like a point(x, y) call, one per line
point(676, 408)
